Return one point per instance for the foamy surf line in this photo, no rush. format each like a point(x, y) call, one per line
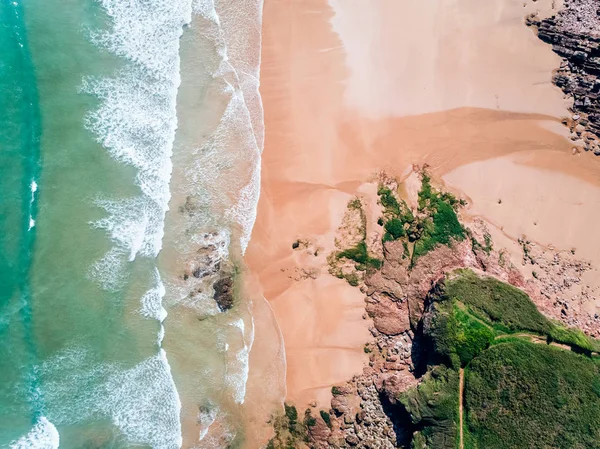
point(135, 122)
point(244, 112)
point(33, 188)
point(43, 435)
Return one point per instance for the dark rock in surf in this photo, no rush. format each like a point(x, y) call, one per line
point(224, 293)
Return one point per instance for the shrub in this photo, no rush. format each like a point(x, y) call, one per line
point(487, 238)
point(326, 417)
point(406, 252)
point(440, 230)
point(355, 204)
point(395, 228)
point(352, 279)
point(336, 391)
point(442, 225)
point(291, 413)
point(426, 193)
point(309, 420)
point(388, 201)
point(360, 255)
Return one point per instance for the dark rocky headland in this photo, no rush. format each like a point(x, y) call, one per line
point(574, 34)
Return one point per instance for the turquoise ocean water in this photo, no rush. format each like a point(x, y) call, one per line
point(116, 115)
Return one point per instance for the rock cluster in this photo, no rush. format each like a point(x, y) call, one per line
point(210, 267)
point(575, 35)
point(562, 286)
point(224, 293)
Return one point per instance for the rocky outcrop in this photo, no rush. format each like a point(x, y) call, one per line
point(370, 411)
point(575, 35)
point(563, 287)
point(389, 317)
point(224, 293)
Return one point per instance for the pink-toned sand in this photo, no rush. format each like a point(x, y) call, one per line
point(352, 87)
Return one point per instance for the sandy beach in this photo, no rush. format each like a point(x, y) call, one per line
point(463, 86)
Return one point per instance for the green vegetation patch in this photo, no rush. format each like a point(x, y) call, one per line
point(506, 307)
point(290, 432)
point(525, 395)
point(510, 310)
point(398, 220)
point(440, 229)
point(326, 417)
point(390, 204)
point(457, 336)
point(433, 407)
point(441, 225)
point(435, 224)
point(520, 392)
point(430, 197)
point(360, 255)
point(395, 228)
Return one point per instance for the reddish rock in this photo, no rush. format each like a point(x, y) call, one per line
point(389, 317)
point(395, 384)
point(320, 432)
point(339, 404)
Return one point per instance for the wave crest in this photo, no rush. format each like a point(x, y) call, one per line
point(43, 435)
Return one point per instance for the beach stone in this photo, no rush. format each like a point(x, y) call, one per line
point(352, 440)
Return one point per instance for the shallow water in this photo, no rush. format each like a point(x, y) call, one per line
point(114, 113)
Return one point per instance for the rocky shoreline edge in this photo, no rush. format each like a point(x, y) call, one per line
point(574, 34)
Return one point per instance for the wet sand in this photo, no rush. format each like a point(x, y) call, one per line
point(463, 86)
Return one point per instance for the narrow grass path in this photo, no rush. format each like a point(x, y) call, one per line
point(461, 387)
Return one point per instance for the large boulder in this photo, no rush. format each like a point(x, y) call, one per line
point(389, 317)
point(224, 293)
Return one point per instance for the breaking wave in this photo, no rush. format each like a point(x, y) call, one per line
point(42, 436)
point(136, 121)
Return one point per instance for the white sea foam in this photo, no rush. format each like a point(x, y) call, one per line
point(152, 300)
point(239, 366)
point(236, 36)
point(244, 211)
point(206, 417)
point(136, 122)
point(141, 401)
point(33, 188)
point(136, 119)
point(145, 405)
point(42, 436)
point(110, 271)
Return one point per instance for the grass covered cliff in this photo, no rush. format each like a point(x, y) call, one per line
point(529, 382)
